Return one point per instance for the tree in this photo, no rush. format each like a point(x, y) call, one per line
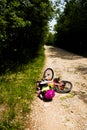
point(71, 26)
point(24, 25)
point(50, 39)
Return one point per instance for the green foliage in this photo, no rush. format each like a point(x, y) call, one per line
point(17, 93)
point(71, 27)
point(50, 39)
point(23, 27)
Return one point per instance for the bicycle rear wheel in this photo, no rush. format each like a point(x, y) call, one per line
point(48, 74)
point(66, 88)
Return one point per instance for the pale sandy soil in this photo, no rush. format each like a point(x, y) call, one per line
point(65, 111)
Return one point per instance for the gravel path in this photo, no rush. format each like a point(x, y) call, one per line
point(65, 111)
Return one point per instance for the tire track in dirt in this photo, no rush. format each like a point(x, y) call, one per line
point(65, 111)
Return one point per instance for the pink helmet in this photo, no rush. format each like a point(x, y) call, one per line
point(49, 94)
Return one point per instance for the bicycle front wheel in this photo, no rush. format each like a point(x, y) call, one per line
point(67, 87)
point(48, 74)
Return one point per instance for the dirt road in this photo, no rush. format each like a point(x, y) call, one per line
point(65, 111)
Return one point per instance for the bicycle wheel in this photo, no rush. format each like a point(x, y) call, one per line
point(66, 87)
point(48, 74)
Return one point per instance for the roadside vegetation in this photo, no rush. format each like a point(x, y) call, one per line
point(71, 27)
point(23, 30)
point(17, 93)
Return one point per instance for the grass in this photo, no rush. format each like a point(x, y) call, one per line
point(17, 91)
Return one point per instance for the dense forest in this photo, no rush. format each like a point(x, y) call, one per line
point(71, 27)
point(24, 28)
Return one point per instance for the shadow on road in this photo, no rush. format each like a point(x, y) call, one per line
point(57, 52)
point(82, 69)
point(82, 95)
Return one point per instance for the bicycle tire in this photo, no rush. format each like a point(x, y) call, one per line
point(67, 87)
point(48, 73)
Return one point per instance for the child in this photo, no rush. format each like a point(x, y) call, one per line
point(43, 86)
point(45, 83)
